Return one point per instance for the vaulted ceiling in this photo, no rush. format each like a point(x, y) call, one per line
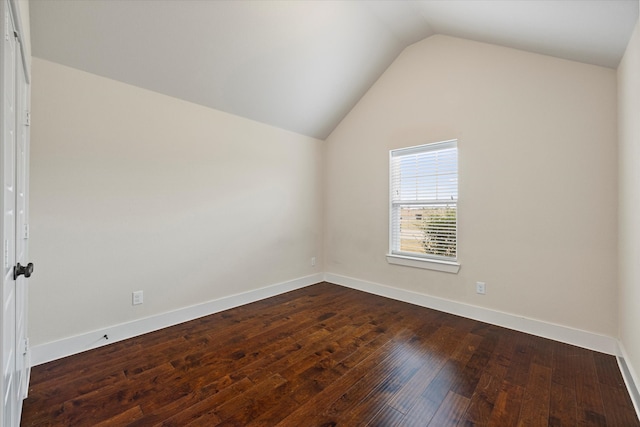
point(302, 65)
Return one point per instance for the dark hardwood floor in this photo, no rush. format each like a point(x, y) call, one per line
point(331, 356)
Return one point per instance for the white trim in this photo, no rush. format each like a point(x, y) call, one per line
point(431, 146)
point(580, 338)
point(426, 263)
point(15, 12)
point(67, 346)
point(631, 379)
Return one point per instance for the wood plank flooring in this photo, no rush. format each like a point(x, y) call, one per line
point(326, 355)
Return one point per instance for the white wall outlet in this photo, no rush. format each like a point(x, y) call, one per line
point(137, 298)
point(313, 261)
point(481, 288)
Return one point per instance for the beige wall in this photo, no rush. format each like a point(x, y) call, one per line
point(538, 179)
point(629, 249)
point(133, 190)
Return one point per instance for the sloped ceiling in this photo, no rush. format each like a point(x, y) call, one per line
point(302, 65)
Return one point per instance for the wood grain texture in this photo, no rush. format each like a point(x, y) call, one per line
point(326, 355)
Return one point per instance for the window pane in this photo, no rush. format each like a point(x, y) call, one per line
point(429, 230)
point(429, 176)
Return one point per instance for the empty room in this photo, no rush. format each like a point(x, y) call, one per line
point(320, 213)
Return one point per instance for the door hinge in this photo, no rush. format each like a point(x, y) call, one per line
point(27, 119)
point(6, 254)
point(26, 231)
point(25, 346)
point(6, 27)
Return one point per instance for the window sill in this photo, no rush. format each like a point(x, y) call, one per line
point(429, 264)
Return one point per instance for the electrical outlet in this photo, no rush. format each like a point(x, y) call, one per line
point(137, 298)
point(313, 261)
point(481, 288)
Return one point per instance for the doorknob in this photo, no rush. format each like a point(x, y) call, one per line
point(22, 269)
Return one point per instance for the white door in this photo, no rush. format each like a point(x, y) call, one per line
point(9, 392)
point(23, 363)
point(14, 183)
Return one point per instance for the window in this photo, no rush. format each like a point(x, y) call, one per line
point(424, 205)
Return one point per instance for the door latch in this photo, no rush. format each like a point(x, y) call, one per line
point(22, 269)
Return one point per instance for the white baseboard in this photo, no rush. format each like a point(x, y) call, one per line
point(577, 337)
point(631, 379)
point(66, 347)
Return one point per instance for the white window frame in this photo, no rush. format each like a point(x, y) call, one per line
point(413, 259)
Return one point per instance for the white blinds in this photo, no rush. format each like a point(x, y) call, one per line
point(426, 176)
point(424, 195)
